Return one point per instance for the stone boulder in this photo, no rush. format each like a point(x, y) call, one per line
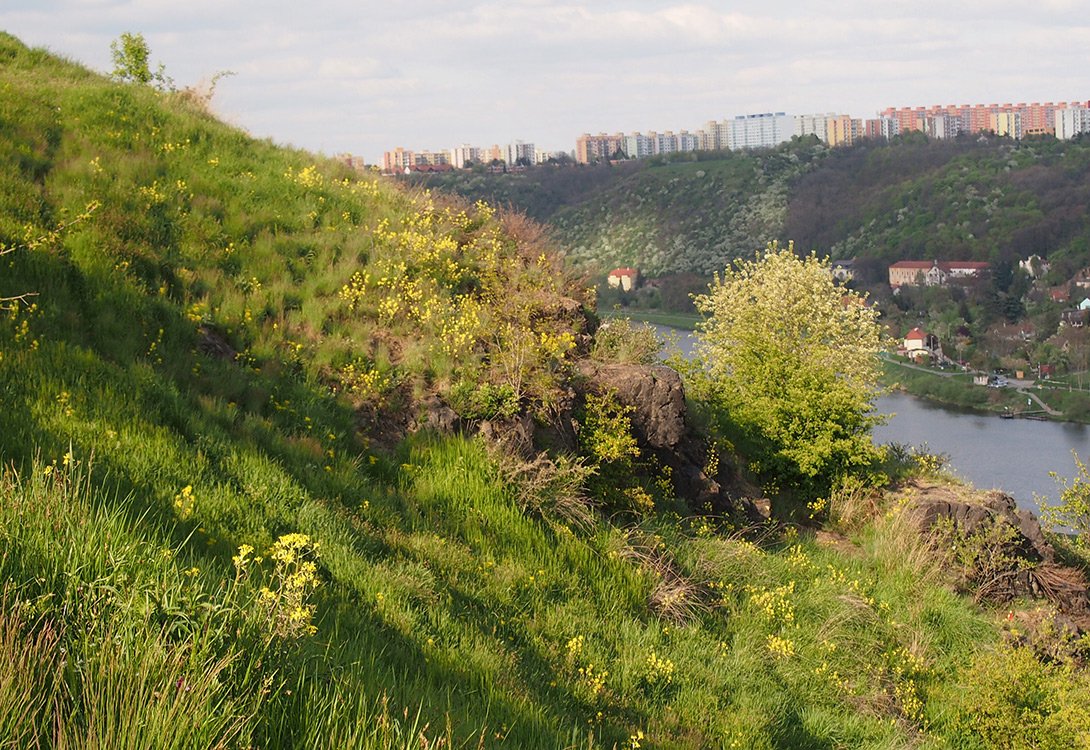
point(1029, 540)
point(1033, 570)
point(654, 391)
point(662, 429)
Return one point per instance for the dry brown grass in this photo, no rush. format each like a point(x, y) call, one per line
point(676, 597)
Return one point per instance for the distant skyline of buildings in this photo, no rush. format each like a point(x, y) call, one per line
point(1065, 120)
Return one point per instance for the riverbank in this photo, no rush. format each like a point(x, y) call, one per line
point(1020, 399)
point(682, 321)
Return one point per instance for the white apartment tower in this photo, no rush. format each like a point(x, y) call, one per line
point(1071, 121)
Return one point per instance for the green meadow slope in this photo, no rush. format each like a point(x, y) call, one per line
point(224, 521)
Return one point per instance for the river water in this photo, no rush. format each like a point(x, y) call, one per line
point(1014, 455)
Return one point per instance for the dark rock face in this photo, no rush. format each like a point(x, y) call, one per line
point(1042, 578)
point(659, 423)
point(656, 394)
point(215, 344)
point(435, 415)
point(1029, 542)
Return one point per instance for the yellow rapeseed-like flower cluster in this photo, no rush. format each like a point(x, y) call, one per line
point(363, 382)
point(780, 647)
point(308, 177)
point(184, 503)
point(774, 603)
point(294, 579)
point(660, 671)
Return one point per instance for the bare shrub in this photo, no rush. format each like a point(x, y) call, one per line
point(553, 489)
point(676, 597)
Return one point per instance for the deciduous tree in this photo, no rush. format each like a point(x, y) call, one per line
point(792, 357)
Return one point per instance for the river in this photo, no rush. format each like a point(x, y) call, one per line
point(1014, 455)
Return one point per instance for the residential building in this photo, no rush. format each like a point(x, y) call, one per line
point(764, 130)
point(519, 150)
point(592, 148)
point(842, 130)
point(933, 272)
point(881, 127)
point(397, 161)
point(431, 158)
point(948, 121)
point(625, 279)
point(1006, 123)
point(638, 146)
point(687, 141)
point(1034, 266)
point(843, 270)
point(1072, 121)
point(465, 154)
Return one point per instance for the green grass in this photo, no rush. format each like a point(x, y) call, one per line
point(179, 388)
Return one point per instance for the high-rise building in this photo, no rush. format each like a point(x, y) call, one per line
point(398, 160)
point(1072, 120)
point(950, 120)
point(431, 158)
point(763, 130)
point(519, 150)
point(591, 148)
point(463, 155)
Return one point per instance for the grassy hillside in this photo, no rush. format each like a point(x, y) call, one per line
point(991, 199)
point(221, 526)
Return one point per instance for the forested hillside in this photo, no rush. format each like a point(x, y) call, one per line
point(989, 199)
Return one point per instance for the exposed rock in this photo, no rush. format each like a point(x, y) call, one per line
point(435, 415)
point(215, 344)
point(661, 428)
point(1029, 542)
point(654, 391)
point(1031, 569)
point(515, 435)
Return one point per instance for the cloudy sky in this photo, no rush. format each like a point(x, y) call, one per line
point(366, 76)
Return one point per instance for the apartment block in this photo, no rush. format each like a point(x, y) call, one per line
point(431, 158)
point(519, 150)
point(398, 160)
point(463, 155)
point(1071, 121)
point(949, 120)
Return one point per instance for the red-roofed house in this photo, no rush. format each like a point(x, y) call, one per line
point(626, 279)
point(915, 340)
point(919, 344)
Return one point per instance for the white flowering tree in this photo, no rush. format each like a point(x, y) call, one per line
point(791, 358)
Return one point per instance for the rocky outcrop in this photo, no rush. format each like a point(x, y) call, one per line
point(1018, 562)
point(1028, 542)
point(662, 429)
point(656, 394)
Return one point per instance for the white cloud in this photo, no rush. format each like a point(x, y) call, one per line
point(345, 76)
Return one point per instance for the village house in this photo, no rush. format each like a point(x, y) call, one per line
point(1035, 266)
point(921, 346)
point(1075, 318)
point(843, 270)
point(934, 272)
point(625, 279)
